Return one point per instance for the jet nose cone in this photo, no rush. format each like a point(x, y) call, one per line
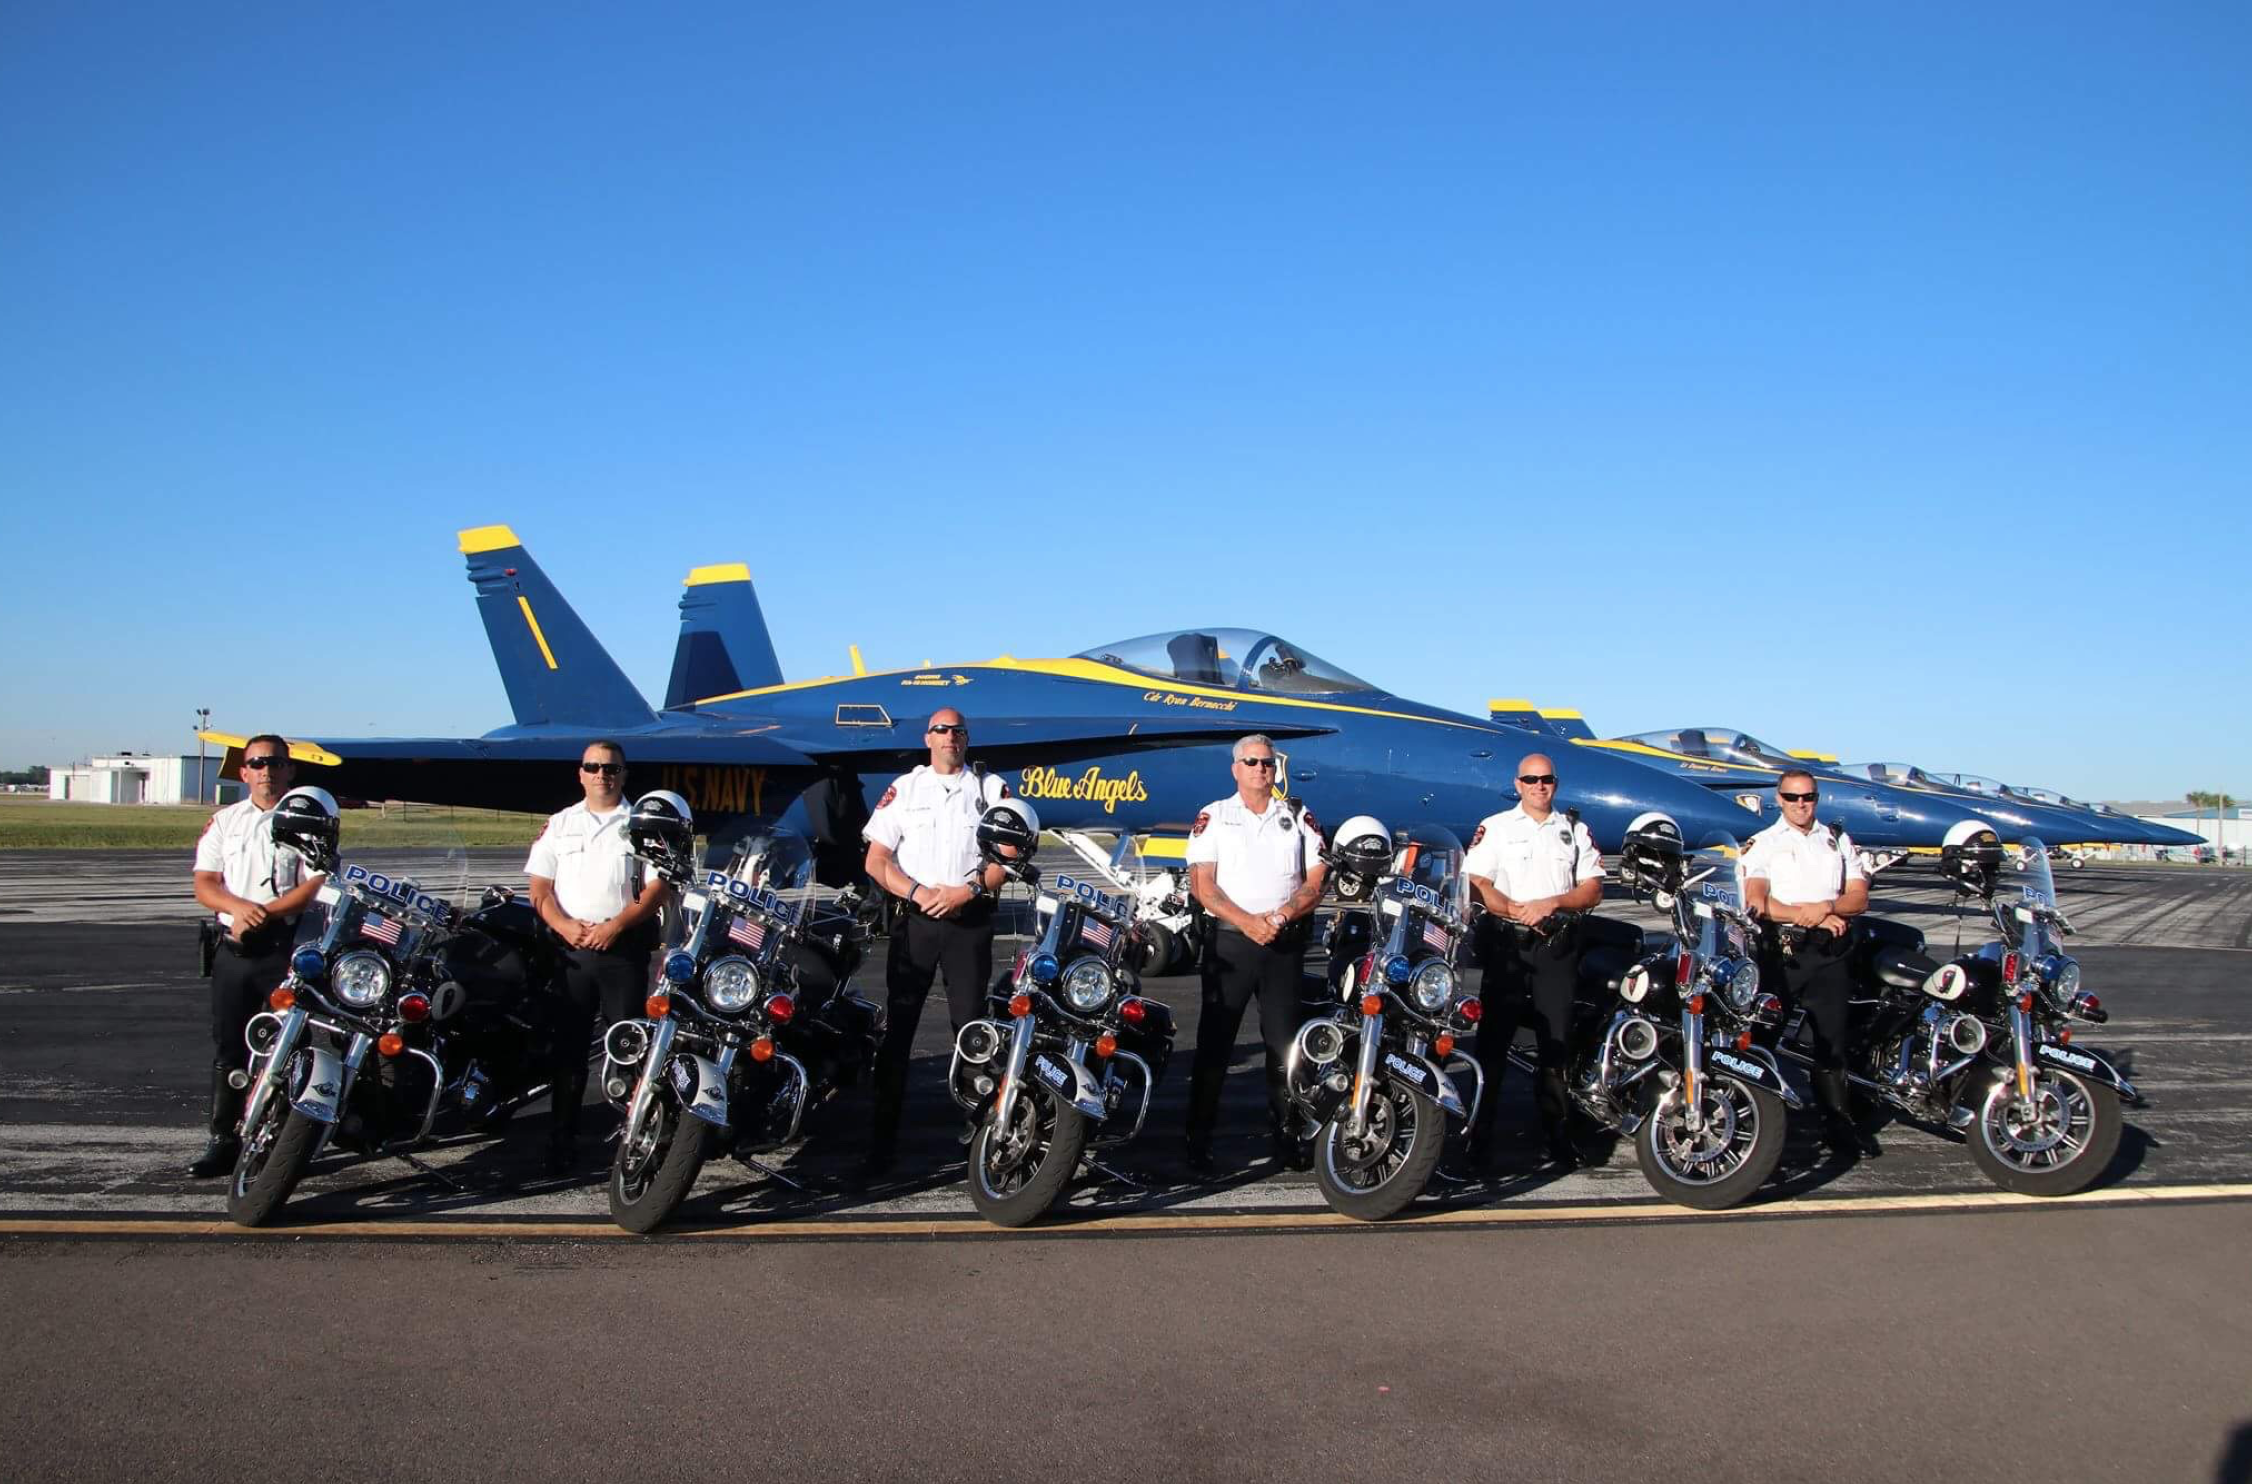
point(2166, 834)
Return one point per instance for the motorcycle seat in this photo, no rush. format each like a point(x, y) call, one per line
point(1899, 968)
point(1601, 969)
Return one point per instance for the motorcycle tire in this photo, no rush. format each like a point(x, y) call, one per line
point(1060, 1133)
point(1743, 1175)
point(644, 1202)
point(264, 1176)
point(1335, 1172)
point(2024, 1166)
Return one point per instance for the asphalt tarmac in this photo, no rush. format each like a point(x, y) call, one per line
point(1878, 1319)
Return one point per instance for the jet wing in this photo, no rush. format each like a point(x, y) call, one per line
point(533, 774)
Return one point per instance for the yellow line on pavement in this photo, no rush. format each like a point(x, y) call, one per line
point(1152, 1225)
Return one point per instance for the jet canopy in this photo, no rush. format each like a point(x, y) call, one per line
point(1993, 788)
point(1720, 745)
point(1899, 775)
point(1232, 659)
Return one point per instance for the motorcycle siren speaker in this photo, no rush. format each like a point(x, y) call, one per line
point(977, 1043)
point(1638, 1039)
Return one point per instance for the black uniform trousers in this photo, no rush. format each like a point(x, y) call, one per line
point(921, 947)
point(1237, 971)
point(242, 975)
point(1528, 981)
point(611, 984)
point(1818, 978)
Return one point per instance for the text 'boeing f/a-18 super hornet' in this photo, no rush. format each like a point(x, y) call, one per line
point(1125, 738)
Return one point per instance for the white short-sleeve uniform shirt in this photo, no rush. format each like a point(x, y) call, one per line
point(928, 821)
point(590, 859)
point(1260, 857)
point(1801, 866)
point(238, 843)
point(1528, 859)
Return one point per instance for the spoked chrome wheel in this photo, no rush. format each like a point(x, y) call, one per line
point(1735, 1146)
point(1016, 1173)
point(1387, 1166)
point(653, 1175)
point(275, 1154)
point(2054, 1143)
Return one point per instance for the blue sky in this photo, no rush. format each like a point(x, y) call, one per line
point(1872, 379)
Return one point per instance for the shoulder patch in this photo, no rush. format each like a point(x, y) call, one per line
point(1477, 837)
point(1203, 818)
point(1312, 823)
point(889, 794)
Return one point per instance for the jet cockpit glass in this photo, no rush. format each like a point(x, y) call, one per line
point(1231, 659)
point(1899, 775)
point(1719, 744)
point(1992, 788)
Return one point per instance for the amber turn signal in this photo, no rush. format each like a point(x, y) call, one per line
point(1020, 1004)
point(391, 1043)
point(1443, 1043)
point(283, 998)
point(763, 1049)
point(1106, 1045)
point(1372, 1004)
point(657, 1006)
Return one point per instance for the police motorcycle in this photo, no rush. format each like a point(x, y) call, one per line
point(1374, 1072)
point(1668, 1030)
point(442, 997)
point(749, 1027)
point(1067, 1062)
point(1984, 1044)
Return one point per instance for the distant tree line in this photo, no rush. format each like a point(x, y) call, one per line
point(25, 775)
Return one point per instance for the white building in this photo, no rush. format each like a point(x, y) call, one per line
point(144, 778)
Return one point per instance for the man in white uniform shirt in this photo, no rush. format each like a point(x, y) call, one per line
point(596, 897)
point(255, 889)
point(1802, 875)
point(1527, 865)
point(1255, 866)
point(922, 848)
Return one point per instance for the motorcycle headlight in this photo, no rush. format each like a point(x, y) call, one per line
point(1740, 986)
point(1432, 988)
point(1086, 985)
point(361, 979)
point(730, 985)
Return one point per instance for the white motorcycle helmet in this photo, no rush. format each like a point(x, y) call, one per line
point(307, 822)
point(1361, 851)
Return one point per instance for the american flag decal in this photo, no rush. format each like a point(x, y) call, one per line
point(1437, 937)
point(375, 925)
point(748, 933)
point(1096, 934)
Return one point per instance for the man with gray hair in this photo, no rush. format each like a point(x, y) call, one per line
point(1255, 866)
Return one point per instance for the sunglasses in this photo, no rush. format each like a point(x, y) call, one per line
point(271, 760)
point(1791, 798)
point(1547, 778)
point(607, 770)
point(1256, 762)
point(943, 728)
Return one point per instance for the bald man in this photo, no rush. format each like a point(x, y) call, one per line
point(1526, 865)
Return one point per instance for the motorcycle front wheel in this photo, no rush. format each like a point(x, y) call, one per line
point(1723, 1161)
point(2066, 1142)
point(275, 1156)
point(1016, 1174)
point(1376, 1175)
point(649, 1180)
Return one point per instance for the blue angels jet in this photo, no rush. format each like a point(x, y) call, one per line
point(1128, 738)
point(2055, 819)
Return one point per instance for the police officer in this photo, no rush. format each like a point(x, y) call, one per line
point(1526, 865)
point(922, 848)
point(1802, 874)
point(1255, 866)
point(256, 889)
point(590, 890)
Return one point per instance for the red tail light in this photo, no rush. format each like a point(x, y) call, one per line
point(1020, 1005)
point(2009, 967)
point(781, 1007)
point(1471, 1010)
point(1683, 968)
point(414, 1007)
point(1133, 1012)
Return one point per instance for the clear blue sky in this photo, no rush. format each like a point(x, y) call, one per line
point(1874, 379)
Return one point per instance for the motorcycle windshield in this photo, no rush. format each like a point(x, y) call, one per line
point(1432, 858)
point(777, 861)
point(1719, 861)
point(2037, 888)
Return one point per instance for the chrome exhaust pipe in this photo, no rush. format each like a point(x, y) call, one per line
point(1637, 1038)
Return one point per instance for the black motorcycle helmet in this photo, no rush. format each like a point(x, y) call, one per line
point(663, 832)
point(1008, 832)
point(1971, 857)
point(305, 822)
point(1651, 856)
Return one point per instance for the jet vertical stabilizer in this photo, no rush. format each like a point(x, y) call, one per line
point(1567, 724)
point(555, 671)
point(724, 647)
point(1515, 714)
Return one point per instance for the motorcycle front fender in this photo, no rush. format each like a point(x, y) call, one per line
point(1755, 1065)
point(320, 1096)
point(2090, 1064)
point(704, 1094)
point(1423, 1074)
point(1068, 1080)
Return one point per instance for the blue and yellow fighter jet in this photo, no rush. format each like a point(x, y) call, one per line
point(1126, 738)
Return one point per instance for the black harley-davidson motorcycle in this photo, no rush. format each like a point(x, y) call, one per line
point(1667, 1030)
point(1068, 1061)
point(402, 1018)
point(1374, 1073)
point(1984, 1045)
point(750, 1027)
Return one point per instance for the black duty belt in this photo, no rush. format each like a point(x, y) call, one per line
point(261, 942)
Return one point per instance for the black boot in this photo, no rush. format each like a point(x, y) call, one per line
point(1554, 1116)
point(1196, 1152)
point(1291, 1152)
point(219, 1153)
point(1840, 1133)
